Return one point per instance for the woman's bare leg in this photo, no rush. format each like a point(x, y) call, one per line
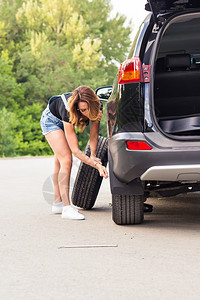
point(60, 147)
point(57, 196)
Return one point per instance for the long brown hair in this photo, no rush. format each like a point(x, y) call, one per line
point(84, 94)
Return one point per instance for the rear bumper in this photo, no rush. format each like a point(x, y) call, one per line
point(173, 173)
point(167, 161)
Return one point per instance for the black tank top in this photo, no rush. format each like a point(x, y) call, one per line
point(58, 109)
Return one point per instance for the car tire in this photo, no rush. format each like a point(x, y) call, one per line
point(127, 209)
point(88, 180)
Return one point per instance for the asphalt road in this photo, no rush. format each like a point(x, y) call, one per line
point(156, 260)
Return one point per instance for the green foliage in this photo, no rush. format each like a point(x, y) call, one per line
point(48, 47)
point(8, 142)
point(11, 94)
point(30, 140)
point(20, 132)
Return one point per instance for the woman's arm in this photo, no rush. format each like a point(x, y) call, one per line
point(94, 134)
point(73, 144)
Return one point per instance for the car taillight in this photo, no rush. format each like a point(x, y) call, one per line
point(137, 145)
point(129, 71)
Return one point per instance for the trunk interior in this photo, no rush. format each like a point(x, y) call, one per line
point(177, 77)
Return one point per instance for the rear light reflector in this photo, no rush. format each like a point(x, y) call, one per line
point(129, 71)
point(137, 145)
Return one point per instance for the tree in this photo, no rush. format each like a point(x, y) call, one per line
point(79, 35)
point(11, 93)
point(8, 142)
point(30, 141)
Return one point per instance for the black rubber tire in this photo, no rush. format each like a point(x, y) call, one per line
point(127, 209)
point(88, 180)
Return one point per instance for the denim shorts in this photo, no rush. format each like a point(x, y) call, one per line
point(49, 122)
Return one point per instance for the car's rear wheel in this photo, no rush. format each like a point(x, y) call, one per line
point(127, 209)
point(88, 180)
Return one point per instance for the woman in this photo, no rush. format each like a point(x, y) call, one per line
point(58, 120)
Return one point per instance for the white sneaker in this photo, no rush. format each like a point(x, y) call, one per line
point(57, 208)
point(71, 213)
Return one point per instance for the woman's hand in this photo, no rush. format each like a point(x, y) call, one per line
point(102, 170)
point(95, 159)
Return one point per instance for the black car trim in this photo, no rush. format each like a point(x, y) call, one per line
point(159, 6)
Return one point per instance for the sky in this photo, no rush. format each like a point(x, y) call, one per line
point(132, 9)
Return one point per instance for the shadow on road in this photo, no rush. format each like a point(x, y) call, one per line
point(180, 212)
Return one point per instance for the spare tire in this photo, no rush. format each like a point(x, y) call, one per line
point(88, 180)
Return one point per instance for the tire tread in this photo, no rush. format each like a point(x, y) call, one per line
point(127, 209)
